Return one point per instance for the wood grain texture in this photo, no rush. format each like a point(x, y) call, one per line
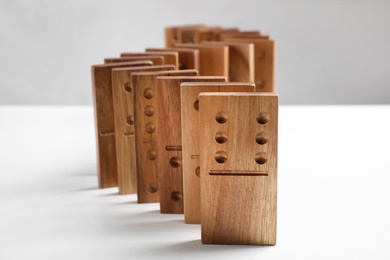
point(168, 133)
point(188, 58)
point(241, 61)
point(240, 34)
point(246, 36)
point(213, 60)
point(104, 121)
point(194, 34)
point(218, 32)
point(123, 95)
point(197, 35)
point(144, 87)
point(157, 60)
point(264, 62)
point(238, 167)
point(169, 57)
point(190, 140)
point(172, 33)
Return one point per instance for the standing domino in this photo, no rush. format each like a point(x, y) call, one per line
point(123, 95)
point(190, 140)
point(144, 87)
point(238, 141)
point(104, 120)
point(168, 132)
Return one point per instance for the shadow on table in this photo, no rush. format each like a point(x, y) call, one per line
point(87, 189)
point(195, 248)
point(164, 229)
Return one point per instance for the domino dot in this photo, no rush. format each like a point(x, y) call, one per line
point(130, 120)
point(261, 138)
point(197, 171)
point(150, 128)
point(151, 154)
point(127, 87)
point(175, 162)
point(176, 196)
point(259, 83)
point(221, 157)
point(221, 117)
point(196, 105)
point(148, 93)
point(262, 118)
point(174, 40)
point(261, 158)
point(152, 187)
point(260, 55)
point(221, 137)
point(149, 110)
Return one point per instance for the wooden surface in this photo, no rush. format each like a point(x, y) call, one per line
point(169, 57)
point(194, 34)
point(169, 147)
point(104, 121)
point(238, 167)
point(190, 140)
point(239, 34)
point(123, 96)
point(157, 60)
point(264, 62)
point(188, 58)
point(218, 33)
point(172, 34)
point(246, 36)
point(144, 87)
point(241, 61)
point(197, 35)
point(213, 60)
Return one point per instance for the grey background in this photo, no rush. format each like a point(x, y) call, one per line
point(328, 52)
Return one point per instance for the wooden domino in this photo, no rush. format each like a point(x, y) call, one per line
point(157, 60)
point(241, 61)
point(169, 57)
point(217, 33)
point(239, 34)
point(104, 121)
point(264, 62)
point(213, 60)
point(172, 33)
point(123, 95)
point(144, 87)
point(190, 140)
point(238, 167)
point(222, 30)
point(197, 35)
point(188, 58)
point(245, 36)
point(169, 147)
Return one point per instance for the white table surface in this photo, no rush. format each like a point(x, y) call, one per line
point(333, 193)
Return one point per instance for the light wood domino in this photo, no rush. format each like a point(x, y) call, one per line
point(144, 86)
point(190, 140)
point(238, 167)
point(123, 95)
point(169, 146)
point(104, 121)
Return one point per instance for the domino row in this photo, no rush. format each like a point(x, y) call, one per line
point(193, 126)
